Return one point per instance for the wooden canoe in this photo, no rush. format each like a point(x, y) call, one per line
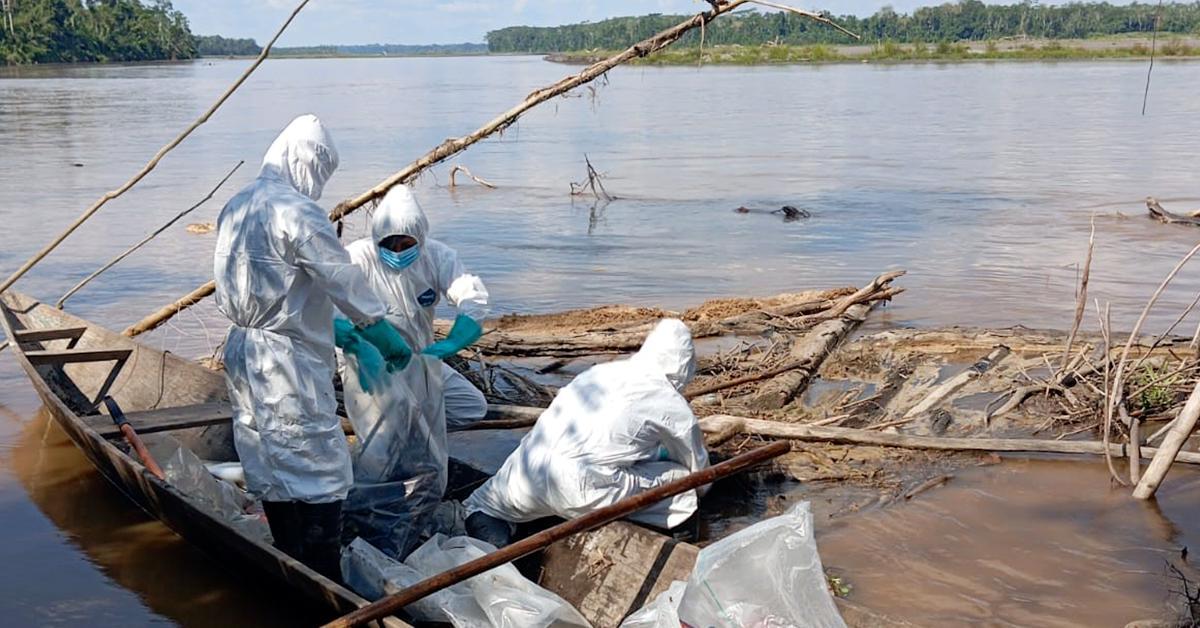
point(72, 363)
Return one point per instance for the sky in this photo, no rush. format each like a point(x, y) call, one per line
point(438, 21)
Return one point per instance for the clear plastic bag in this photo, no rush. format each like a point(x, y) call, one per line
point(663, 612)
point(499, 598)
point(768, 575)
point(400, 456)
point(186, 472)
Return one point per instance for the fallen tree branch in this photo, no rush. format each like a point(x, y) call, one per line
point(851, 436)
point(455, 145)
point(461, 168)
point(1179, 432)
point(951, 385)
point(1081, 298)
point(1160, 214)
point(809, 352)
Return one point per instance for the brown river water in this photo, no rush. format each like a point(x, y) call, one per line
point(980, 179)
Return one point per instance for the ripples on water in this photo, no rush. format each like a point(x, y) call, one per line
point(980, 179)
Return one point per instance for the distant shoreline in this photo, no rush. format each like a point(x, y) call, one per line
point(1167, 47)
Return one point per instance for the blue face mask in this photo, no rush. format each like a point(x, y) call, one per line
point(401, 260)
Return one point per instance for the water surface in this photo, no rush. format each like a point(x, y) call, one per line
point(980, 179)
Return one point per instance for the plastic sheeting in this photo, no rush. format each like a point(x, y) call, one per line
point(500, 598)
point(186, 472)
point(769, 574)
point(400, 457)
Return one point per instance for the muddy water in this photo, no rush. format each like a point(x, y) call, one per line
point(978, 178)
point(1026, 543)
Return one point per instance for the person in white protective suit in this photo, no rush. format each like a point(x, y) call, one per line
point(618, 429)
point(412, 272)
point(279, 270)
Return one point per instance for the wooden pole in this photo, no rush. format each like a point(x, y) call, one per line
point(131, 437)
point(116, 260)
point(795, 431)
point(1176, 436)
point(456, 145)
point(393, 603)
point(31, 262)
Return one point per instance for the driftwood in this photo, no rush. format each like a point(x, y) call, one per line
point(951, 385)
point(456, 145)
point(141, 174)
point(1176, 436)
point(463, 169)
point(552, 340)
point(844, 435)
point(1081, 298)
point(1160, 214)
point(808, 354)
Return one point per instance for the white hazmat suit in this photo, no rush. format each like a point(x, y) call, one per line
point(412, 294)
point(280, 270)
point(617, 430)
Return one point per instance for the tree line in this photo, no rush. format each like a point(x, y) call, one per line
point(50, 31)
point(964, 20)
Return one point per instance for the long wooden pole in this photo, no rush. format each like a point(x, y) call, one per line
point(393, 603)
point(456, 145)
point(108, 196)
point(1169, 452)
point(773, 429)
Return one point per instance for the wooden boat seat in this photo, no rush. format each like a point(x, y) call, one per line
point(74, 356)
point(165, 419)
point(73, 334)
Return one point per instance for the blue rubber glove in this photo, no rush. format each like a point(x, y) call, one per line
point(464, 332)
point(390, 343)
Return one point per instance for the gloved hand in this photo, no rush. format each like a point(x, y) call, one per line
point(464, 332)
point(344, 332)
point(389, 342)
point(370, 361)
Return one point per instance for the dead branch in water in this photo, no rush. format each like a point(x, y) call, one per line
point(455, 145)
point(461, 168)
point(1160, 214)
point(1081, 298)
point(593, 183)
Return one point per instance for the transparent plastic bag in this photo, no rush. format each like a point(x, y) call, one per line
point(400, 456)
point(186, 472)
point(768, 575)
point(499, 598)
point(663, 612)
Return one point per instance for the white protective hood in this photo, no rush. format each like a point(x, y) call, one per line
point(669, 350)
point(303, 156)
point(399, 214)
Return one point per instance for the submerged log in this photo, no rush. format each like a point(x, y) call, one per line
point(1160, 214)
point(845, 435)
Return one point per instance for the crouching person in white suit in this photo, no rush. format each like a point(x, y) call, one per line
point(617, 430)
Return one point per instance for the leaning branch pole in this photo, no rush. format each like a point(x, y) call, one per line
point(393, 603)
point(153, 161)
point(456, 145)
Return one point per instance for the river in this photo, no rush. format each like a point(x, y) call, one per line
point(980, 179)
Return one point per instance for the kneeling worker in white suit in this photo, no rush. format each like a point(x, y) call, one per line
point(411, 272)
point(617, 430)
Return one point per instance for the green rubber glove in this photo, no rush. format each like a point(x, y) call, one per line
point(390, 343)
point(370, 362)
point(464, 332)
point(344, 332)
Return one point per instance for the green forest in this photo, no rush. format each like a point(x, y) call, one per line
point(217, 46)
point(968, 20)
point(51, 31)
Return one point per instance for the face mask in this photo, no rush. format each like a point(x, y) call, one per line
point(401, 260)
